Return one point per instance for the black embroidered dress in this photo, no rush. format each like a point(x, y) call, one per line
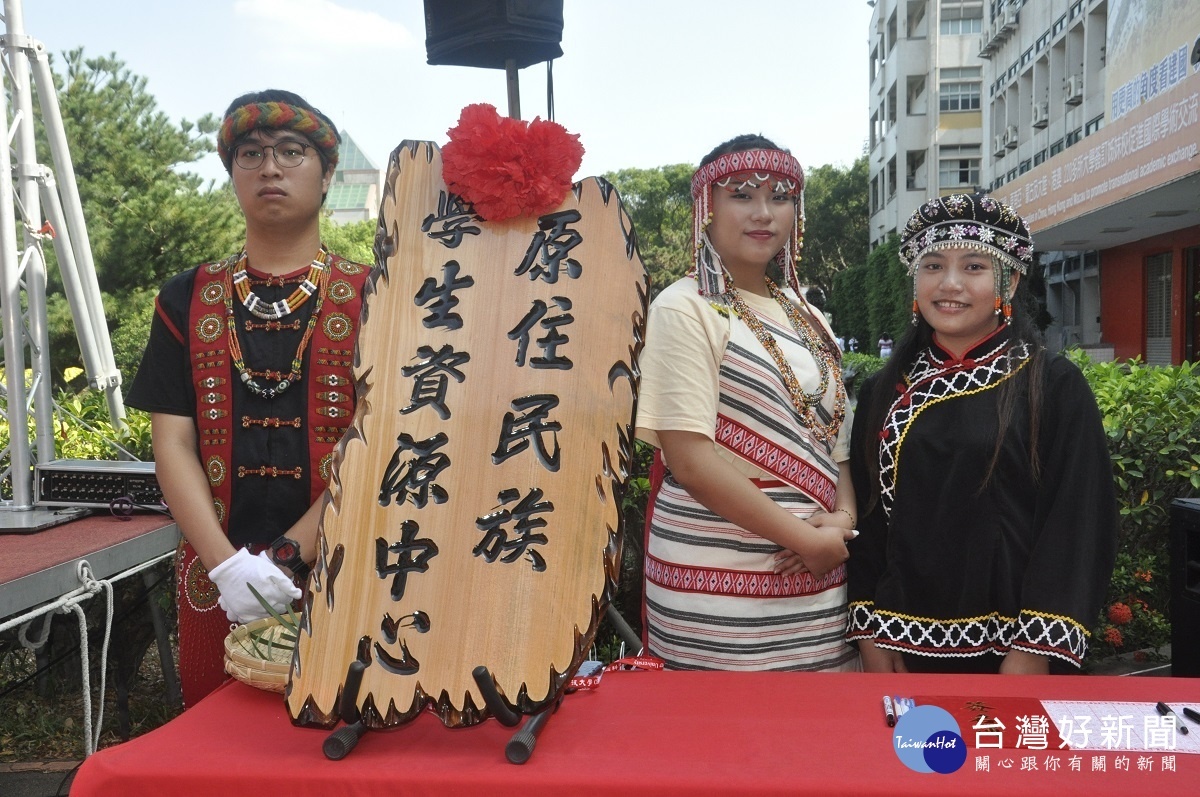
point(943, 569)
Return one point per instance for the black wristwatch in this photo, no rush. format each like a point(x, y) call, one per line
point(285, 552)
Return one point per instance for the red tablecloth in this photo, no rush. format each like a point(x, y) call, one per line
point(684, 734)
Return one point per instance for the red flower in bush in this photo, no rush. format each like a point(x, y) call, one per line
point(1112, 635)
point(1119, 614)
point(506, 168)
point(1144, 575)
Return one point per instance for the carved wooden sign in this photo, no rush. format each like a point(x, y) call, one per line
point(473, 516)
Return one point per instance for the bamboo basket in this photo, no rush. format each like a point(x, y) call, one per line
point(263, 665)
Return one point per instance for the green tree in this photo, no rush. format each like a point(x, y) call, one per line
point(847, 306)
point(354, 241)
point(659, 202)
point(147, 217)
point(888, 291)
point(836, 224)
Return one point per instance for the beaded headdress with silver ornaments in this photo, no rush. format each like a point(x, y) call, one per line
point(730, 171)
point(969, 221)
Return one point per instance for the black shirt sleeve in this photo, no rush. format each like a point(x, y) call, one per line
point(163, 381)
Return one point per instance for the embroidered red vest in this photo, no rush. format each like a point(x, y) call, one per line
point(326, 381)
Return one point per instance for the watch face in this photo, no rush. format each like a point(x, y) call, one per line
point(286, 550)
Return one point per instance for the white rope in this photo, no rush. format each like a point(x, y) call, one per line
point(84, 571)
point(34, 644)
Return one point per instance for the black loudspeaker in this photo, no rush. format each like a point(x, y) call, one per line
point(488, 33)
point(1185, 587)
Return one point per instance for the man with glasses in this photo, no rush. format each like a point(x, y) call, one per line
point(247, 378)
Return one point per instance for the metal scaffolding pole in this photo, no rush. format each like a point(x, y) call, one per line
point(27, 189)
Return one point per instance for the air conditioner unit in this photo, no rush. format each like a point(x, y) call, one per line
point(1074, 90)
point(1041, 114)
point(1010, 17)
point(1010, 137)
point(998, 148)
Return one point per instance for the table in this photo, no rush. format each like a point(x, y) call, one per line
point(41, 566)
point(672, 733)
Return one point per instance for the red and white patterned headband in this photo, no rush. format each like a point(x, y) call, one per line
point(773, 162)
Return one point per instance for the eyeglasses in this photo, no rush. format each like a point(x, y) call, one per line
point(288, 154)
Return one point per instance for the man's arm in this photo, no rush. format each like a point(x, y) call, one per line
point(184, 485)
point(185, 489)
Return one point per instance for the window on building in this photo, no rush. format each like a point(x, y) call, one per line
point(914, 170)
point(951, 27)
point(958, 165)
point(960, 89)
point(961, 16)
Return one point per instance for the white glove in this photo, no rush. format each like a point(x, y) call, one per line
point(243, 568)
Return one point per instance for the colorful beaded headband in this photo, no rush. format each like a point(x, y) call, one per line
point(759, 165)
point(770, 161)
point(277, 116)
point(969, 221)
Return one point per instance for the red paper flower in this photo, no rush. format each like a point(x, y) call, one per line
point(1119, 614)
point(1112, 635)
point(506, 168)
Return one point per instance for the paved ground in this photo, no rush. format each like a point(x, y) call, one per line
point(37, 779)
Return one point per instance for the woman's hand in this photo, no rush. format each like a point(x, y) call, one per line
point(789, 563)
point(838, 517)
point(824, 548)
point(1019, 662)
point(875, 659)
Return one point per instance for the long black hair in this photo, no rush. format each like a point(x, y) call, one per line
point(1027, 383)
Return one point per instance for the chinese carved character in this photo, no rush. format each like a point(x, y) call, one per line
point(412, 556)
point(496, 539)
point(440, 299)
point(518, 430)
point(453, 214)
point(549, 342)
point(548, 250)
point(432, 377)
point(411, 479)
point(405, 663)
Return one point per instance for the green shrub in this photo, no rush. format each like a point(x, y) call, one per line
point(1152, 421)
point(856, 367)
point(83, 429)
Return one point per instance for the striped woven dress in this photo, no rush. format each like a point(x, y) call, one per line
point(712, 598)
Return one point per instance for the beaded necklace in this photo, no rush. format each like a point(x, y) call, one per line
point(321, 266)
point(273, 311)
point(827, 364)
